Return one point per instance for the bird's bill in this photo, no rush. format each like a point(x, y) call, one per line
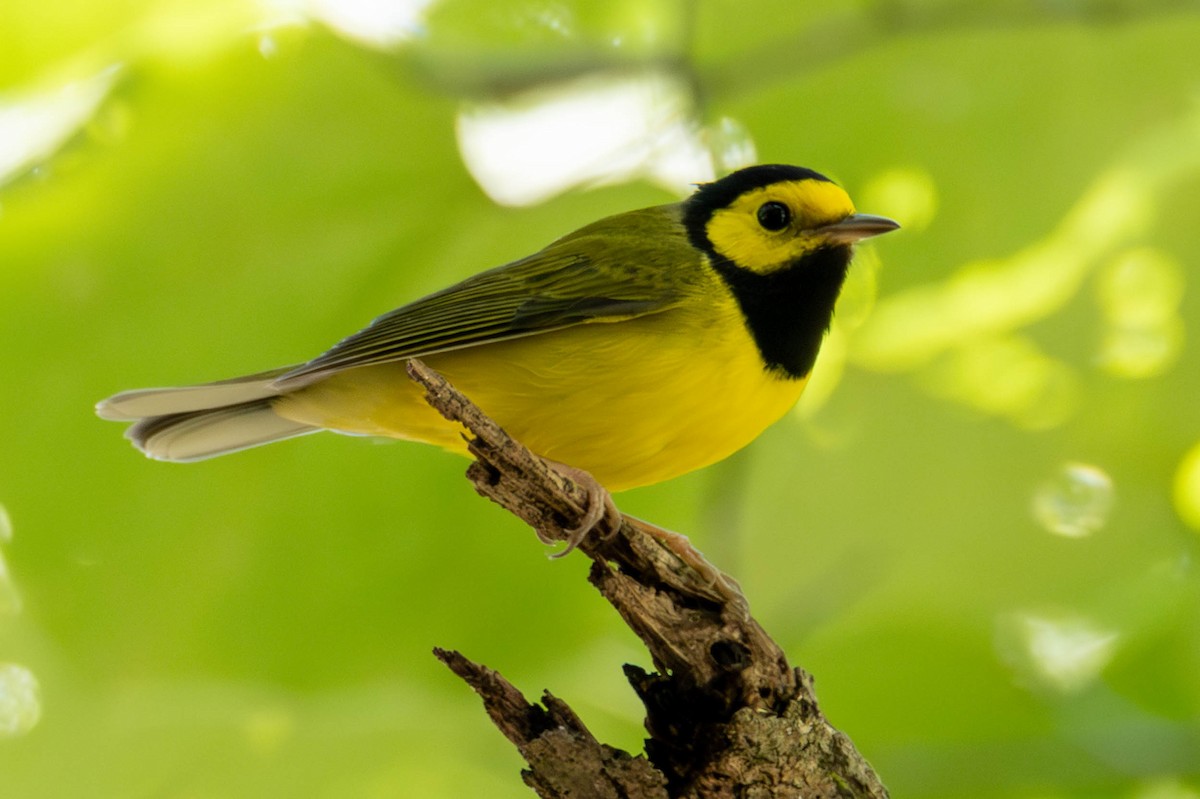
point(857, 227)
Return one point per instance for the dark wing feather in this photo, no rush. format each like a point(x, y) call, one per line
point(614, 269)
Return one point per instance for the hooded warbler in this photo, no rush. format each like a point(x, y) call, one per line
point(640, 347)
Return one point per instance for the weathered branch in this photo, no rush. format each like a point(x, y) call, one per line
point(564, 758)
point(726, 714)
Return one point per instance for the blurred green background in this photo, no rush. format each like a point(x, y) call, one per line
point(979, 530)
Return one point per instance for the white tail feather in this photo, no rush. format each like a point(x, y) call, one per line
point(197, 435)
point(129, 406)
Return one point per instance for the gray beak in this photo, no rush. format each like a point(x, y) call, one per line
point(856, 227)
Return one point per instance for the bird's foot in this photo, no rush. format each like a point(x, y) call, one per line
point(601, 514)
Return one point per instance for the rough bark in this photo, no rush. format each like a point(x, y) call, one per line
point(727, 716)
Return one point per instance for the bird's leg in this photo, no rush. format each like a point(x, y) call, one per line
point(601, 508)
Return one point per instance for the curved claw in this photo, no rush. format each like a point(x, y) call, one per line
point(600, 506)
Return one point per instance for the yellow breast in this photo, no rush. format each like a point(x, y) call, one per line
point(633, 402)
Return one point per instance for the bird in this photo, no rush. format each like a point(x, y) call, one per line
point(636, 349)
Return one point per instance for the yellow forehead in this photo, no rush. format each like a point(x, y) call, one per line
point(735, 231)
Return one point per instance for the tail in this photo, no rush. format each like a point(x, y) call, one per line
point(197, 422)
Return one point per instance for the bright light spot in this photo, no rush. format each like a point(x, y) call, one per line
point(267, 46)
point(1119, 204)
point(377, 23)
point(1141, 352)
point(731, 145)
point(1139, 293)
point(1140, 287)
point(195, 36)
point(588, 131)
point(20, 700)
point(1075, 502)
point(1064, 654)
point(10, 600)
point(1187, 488)
point(906, 194)
point(35, 124)
point(1166, 788)
point(557, 18)
point(1007, 376)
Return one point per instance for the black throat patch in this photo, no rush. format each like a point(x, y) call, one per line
point(788, 311)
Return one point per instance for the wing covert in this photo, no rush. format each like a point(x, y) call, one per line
point(615, 269)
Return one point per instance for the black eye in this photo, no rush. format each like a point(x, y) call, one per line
point(774, 215)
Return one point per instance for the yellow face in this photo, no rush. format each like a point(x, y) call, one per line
point(766, 228)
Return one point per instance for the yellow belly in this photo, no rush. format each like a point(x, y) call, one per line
point(633, 402)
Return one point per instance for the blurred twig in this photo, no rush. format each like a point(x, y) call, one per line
point(840, 35)
point(726, 714)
